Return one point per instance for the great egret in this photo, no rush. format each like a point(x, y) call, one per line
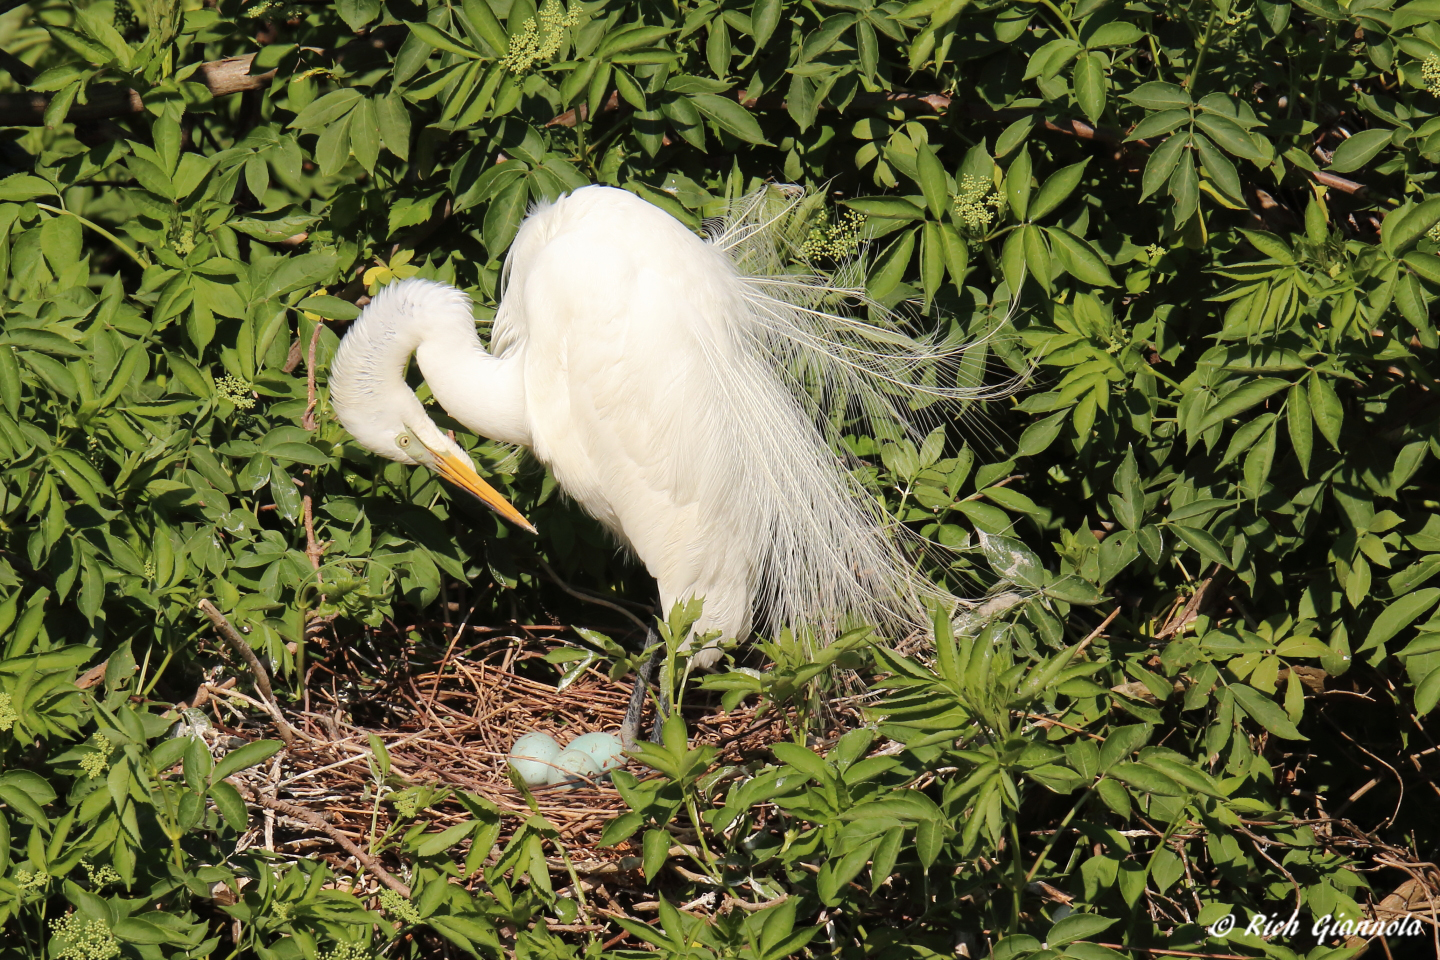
point(683, 392)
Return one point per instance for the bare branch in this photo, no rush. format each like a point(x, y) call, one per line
point(314, 819)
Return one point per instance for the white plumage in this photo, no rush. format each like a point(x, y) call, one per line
point(680, 401)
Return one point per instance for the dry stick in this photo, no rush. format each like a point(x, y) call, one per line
point(1191, 610)
point(1398, 779)
point(221, 77)
point(238, 644)
point(1424, 886)
point(324, 826)
point(1095, 633)
point(1175, 953)
point(587, 597)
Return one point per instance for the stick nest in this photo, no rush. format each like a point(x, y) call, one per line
point(448, 724)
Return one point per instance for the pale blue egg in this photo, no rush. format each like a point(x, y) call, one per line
point(603, 748)
point(574, 764)
point(533, 758)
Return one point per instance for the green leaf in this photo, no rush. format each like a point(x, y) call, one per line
point(1078, 258)
point(1219, 168)
point(1057, 188)
point(1358, 150)
point(888, 270)
point(327, 109)
point(1185, 188)
point(933, 181)
point(502, 219)
point(1147, 779)
point(623, 40)
point(1241, 399)
point(655, 848)
point(893, 208)
point(242, 758)
point(1326, 410)
point(1229, 135)
point(483, 19)
point(1077, 926)
point(803, 760)
point(1399, 615)
point(1427, 693)
point(228, 801)
point(1011, 559)
point(1161, 165)
point(1269, 245)
point(1297, 421)
point(1264, 711)
point(20, 187)
point(1037, 255)
point(1090, 84)
point(730, 116)
point(431, 844)
point(96, 53)
point(1426, 265)
point(1156, 95)
point(764, 17)
point(1017, 185)
point(1156, 124)
point(1039, 435)
point(1415, 223)
point(331, 308)
point(433, 36)
point(1074, 590)
point(1203, 543)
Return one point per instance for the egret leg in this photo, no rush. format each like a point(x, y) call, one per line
point(630, 727)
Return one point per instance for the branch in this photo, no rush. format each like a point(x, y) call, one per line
point(262, 679)
point(23, 73)
point(320, 823)
point(221, 78)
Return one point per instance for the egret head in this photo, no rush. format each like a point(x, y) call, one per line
point(424, 443)
point(370, 396)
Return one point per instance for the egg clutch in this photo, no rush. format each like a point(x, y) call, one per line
point(538, 760)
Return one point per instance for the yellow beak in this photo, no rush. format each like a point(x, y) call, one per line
point(458, 473)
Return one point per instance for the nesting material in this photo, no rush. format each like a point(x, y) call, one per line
point(454, 724)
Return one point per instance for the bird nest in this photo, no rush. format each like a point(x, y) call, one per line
point(445, 725)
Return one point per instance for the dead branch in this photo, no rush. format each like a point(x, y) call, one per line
point(314, 819)
point(106, 101)
point(238, 644)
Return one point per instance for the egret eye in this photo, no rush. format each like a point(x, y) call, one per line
point(403, 440)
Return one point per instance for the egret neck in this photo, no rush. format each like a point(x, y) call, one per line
point(484, 392)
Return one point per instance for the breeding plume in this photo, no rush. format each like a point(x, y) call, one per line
point(685, 392)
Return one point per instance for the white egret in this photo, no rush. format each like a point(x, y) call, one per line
point(682, 392)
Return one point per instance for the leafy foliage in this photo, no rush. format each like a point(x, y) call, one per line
point(1208, 224)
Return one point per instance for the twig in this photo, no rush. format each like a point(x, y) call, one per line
point(1040, 718)
point(1095, 633)
point(324, 826)
point(587, 597)
point(238, 644)
point(1399, 779)
point(307, 420)
point(221, 77)
point(23, 73)
point(1191, 610)
point(1176, 953)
